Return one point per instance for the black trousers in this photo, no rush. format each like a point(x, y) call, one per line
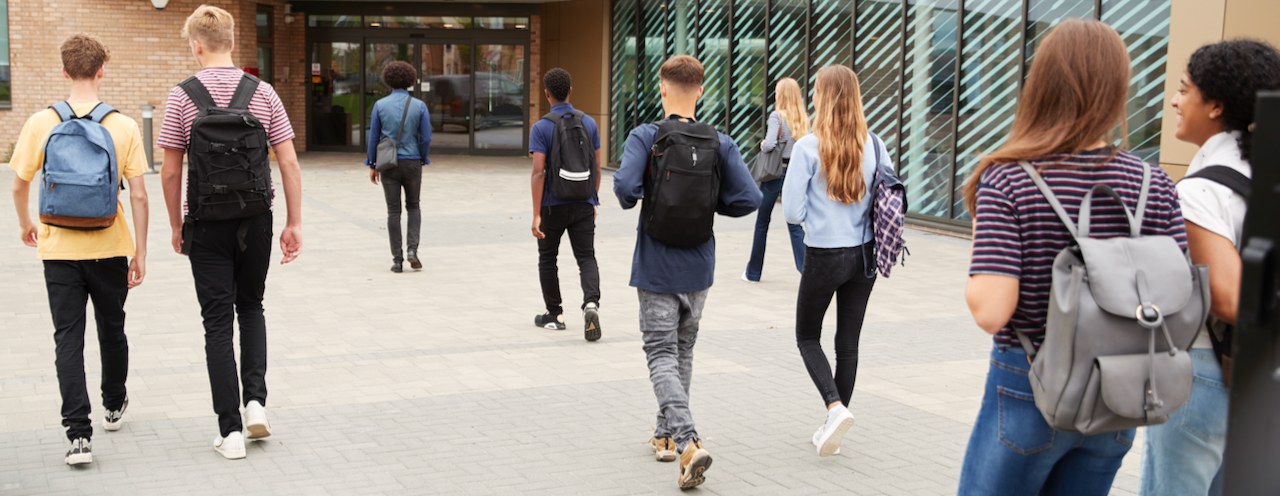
point(406, 177)
point(579, 220)
point(839, 273)
point(229, 261)
point(71, 284)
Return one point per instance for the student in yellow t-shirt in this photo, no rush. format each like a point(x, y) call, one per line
point(78, 264)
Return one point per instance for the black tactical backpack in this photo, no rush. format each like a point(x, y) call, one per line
point(682, 187)
point(230, 176)
point(571, 168)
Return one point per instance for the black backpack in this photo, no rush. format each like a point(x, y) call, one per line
point(571, 172)
point(682, 186)
point(230, 175)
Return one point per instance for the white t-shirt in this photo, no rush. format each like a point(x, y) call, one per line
point(1213, 206)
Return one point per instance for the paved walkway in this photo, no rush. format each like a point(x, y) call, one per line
point(437, 383)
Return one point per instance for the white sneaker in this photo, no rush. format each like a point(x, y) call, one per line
point(230, 447)
point(255, 421)
point(817, 437)
point(115, 418)
point(748, 281)
point(828, 443)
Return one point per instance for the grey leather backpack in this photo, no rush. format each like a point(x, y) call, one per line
point(1122, 313)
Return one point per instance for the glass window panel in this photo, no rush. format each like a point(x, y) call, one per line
point(830, 35)
point(928, 134)
point(6, 96)
point(262, 21)
point(624, 73)
point(653, 28)
point(988, 85)
point(447, 90)
point(502, 22)
point(418, 22)
point(680, 34)
point(788, 37)
point(879, 67)
point(713, 51)
point(336, 109)
point(1042, 15)
point(333, 21)
point(265, 64)
point(747, 98)
point(500, 97)
point(1144, 25)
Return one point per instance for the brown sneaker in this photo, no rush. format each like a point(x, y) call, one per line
point(664, 449)
point(693, 463)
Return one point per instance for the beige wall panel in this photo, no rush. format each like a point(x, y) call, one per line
point(1193, 23)
point(575, 37)
point(1253, 19)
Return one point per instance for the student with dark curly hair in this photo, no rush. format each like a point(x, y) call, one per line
point(388, 115)
point(1214, 105)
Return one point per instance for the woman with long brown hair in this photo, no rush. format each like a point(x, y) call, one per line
point(828, 189)
point(787, 123)
point(1068, 115)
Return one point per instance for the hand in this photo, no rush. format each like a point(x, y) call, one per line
point(373, 175)
point(176, 240)
point(537, 227)
point(137, 270)
point(27, 233)
point(290, 244)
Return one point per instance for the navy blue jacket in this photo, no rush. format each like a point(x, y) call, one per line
point(661, 268)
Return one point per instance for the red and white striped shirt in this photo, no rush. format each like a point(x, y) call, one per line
point(221, 82)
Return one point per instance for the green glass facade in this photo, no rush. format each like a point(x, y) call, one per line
point(940, 78)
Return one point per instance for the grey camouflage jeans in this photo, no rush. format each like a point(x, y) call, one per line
point(669, 324)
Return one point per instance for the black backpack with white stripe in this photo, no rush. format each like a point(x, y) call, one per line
point(571, 166)
point(230, 175)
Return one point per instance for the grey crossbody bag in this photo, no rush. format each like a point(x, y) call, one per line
point(1122, 313)
point(388, 148)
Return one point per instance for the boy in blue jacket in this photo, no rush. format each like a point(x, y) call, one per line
point(672, 282)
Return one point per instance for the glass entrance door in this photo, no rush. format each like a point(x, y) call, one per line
point(500, 102)
point(335, 88)
point(447, 89)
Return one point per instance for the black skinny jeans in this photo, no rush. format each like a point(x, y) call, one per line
point(406, 177)
point(231, 278)
point(838, 272)
point(71, 285)
point(579, 221)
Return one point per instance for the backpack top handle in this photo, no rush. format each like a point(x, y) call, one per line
point(1135, 219)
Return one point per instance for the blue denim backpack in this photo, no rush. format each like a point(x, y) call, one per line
point(81, 179)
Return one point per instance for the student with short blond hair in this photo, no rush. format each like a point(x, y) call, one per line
point(84, 263)
point(223, 121)
point(702, 174)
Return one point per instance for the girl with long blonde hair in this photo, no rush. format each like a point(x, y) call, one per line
point(787, 123)
point(826, 190)
point(1068, 115)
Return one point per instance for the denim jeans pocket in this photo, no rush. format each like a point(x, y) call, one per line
point(1022, 428)
point(1204, 416)
point(1125, 438)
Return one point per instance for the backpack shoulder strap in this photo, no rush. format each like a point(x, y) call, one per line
point(244, 92)
point(198, 94)
point(1048, 195)
point(64, 110)
point(101, 112)
point(1143, 194)
point(1233, 179)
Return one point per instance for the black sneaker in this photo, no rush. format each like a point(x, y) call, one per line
point(115, 418)
point(79, 454)
point(414, 263)
point(548, 321)
point(591, 315)
point(397, 267)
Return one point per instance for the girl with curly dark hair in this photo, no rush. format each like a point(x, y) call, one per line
point(404, 119)
point(1215, 106)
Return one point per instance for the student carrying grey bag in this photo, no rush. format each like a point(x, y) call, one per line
point(1122, 313)
point(388, 148)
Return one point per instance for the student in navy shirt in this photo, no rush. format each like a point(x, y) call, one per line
point(553, 217)
point(672, 282)
point(414, 140)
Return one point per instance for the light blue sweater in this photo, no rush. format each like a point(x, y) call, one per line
point(827, 223)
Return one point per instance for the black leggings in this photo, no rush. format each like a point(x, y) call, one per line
point(839, 272)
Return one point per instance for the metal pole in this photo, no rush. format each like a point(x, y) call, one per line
point(148, 111)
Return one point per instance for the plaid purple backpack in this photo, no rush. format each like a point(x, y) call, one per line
point(888, 215)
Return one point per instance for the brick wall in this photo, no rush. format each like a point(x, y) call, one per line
point(148, 56)
point(537, 103)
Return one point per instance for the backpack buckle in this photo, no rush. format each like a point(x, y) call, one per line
point(1149, 316)
point(218, 147)
point(221, 189)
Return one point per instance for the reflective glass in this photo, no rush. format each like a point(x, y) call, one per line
point(446, 88)
point(713, 51)
point(788, 40)
point(418, 22)
point(336, 108)
point(879, 67)
point(623, 75)
point(928, 127)
point(988, 85)
point(1144, 25)
point(333, 21)
point(502, 23)
point(830, 35)
point(747, 109)
point(500, 97)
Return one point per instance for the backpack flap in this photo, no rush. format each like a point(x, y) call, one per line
point(1127, 274)
point(1123, 392)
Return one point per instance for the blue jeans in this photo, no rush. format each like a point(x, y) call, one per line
point(1013, 451)
point(755, 266)
point(1184, 455)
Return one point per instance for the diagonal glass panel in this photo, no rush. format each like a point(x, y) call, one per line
point(652, 32)
point(830, 35)
point(1042, 15)
point(1144, 25)
point(747, 97)
point(988, 85)
point(713, 51)
point(623, 73)
point(928, 135)
point(680, 29)
point(879, 67)
point(788, 40)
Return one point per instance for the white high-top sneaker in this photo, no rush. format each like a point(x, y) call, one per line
point(230, 447)
point(255, 421)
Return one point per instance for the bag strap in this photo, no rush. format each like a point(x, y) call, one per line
point(64, 110)
point(244, 92)
point(1234, 180)
point(198, 94)
point(100, 112)
point(404, 116)
point(1048, 195)
point(1086, 211)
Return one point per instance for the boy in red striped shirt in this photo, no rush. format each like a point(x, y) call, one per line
point(229, 250)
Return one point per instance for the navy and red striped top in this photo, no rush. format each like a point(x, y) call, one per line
point(1017, 234)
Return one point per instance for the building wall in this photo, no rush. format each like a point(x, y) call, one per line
point(148, 56)
point(575, 37)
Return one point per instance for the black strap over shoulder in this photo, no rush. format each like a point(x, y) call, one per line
point(244, 92)
point(198, 94)
point(1226, 176)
